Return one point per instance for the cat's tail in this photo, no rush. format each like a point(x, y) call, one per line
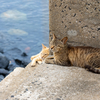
point(94, 70)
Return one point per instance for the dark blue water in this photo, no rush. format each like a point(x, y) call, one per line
point(24, 26)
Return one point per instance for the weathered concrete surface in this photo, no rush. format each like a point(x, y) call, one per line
point(50, 82)
point(77, 19)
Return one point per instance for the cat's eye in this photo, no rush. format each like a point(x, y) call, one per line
point(52, 47)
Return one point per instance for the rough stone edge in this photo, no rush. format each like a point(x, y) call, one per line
point(12, 81)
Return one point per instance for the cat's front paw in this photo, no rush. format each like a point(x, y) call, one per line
point(33, 64)
point(39, 62)
point(49, 60)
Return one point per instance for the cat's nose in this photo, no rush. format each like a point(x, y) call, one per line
point(52, 47)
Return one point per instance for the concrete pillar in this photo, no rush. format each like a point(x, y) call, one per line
point(79, 20)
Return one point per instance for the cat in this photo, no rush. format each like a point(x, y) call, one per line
point(80, 56)
point(40, 57)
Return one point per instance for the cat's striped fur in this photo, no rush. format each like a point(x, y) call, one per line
point(63, 54)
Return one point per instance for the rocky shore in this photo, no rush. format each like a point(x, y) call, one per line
point(8, 64)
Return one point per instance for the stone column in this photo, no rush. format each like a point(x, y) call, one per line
point(79, 20)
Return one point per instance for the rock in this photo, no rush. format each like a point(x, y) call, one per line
point(13, 15)
point(11, 67)
point(1, 50)
point(13, 51)
point(50, 82)
point(24, 54)
point(0, 80)
point(1, 77)
point(21, 63)
point(17, 32)
point(4, 62)
point(4, 72)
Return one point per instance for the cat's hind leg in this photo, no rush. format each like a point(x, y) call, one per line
point(93, 63)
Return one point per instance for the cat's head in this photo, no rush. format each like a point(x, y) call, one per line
point(45, 52)
point(57, 44)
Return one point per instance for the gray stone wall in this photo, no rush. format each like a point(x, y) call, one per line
point(77, 19)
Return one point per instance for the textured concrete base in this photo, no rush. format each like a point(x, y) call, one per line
point(50, 82)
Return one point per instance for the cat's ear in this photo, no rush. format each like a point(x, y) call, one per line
point(64, 40)
point(43, 46)
point(54, 37)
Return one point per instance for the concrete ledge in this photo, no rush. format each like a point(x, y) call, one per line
point(51, 82)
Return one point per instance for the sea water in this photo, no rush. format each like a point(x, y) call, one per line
point(24, 26)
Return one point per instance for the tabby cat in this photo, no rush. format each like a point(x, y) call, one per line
point(64, 54)
point(41, 56)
